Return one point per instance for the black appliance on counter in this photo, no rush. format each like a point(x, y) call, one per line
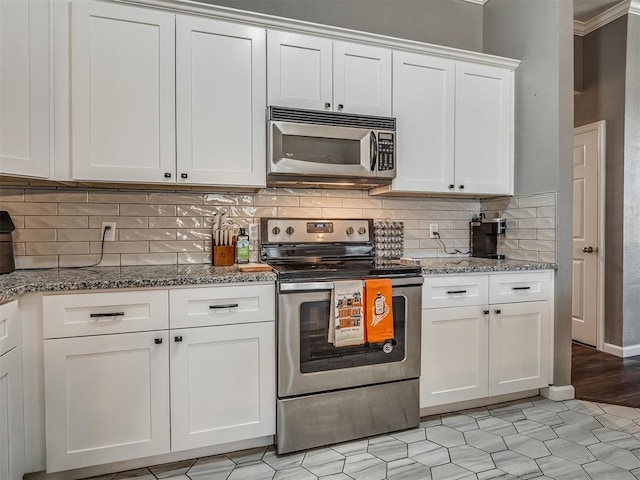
point(328, 394)
point(483, 236)
point(7, 262)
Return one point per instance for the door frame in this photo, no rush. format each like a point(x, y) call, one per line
point(600, 128)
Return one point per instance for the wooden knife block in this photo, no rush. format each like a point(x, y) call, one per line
point(224, 256)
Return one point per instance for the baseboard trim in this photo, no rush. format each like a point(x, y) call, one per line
point(559, 393)
point(622, 352)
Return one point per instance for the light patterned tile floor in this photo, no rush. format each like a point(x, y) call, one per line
point(533, 438)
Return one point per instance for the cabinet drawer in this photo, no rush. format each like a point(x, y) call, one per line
point(9, 326)
point(222, 305)
point(104, 313)
point(520, 287)
point(458, 291)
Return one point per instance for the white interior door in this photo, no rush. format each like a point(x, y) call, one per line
point(586, 245)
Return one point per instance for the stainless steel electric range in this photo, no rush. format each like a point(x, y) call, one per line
point(329, 394)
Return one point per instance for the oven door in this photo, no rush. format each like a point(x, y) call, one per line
point(319, 150)
point(308, 363)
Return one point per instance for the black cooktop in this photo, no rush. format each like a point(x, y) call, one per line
point(342, 270)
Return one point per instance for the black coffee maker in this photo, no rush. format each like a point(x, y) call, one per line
point(7, 263)
point(483, 236)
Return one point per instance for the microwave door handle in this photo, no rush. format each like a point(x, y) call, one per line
point(374, 150)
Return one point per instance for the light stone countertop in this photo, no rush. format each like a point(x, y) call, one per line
point(434, 266)
point(14, 284)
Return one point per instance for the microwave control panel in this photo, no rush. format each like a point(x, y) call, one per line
point(386, 151)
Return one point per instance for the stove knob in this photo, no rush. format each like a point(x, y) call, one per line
point(362, 230)
point(289, 230)
point(275, 230)
point(349, 230)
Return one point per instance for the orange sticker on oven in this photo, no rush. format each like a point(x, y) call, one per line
point(378, 296)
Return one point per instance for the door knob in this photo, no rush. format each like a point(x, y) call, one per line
point(588, 249)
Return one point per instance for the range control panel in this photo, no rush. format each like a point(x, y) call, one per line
point(298, 230)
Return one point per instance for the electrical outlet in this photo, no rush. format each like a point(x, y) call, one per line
point(110, 235)
point(433, 229)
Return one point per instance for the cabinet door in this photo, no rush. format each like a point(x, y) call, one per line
point(106, 399)
point(222, 384)
point(454, 355)
point(11, 416)
point(519, 347)
point(220, 102)
point(25, 115)
point(123, 95)
point(484, 129)
point(300, 70)
point(361, 79)
point(423, 104)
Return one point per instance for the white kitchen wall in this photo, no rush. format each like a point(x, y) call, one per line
point(60, 227)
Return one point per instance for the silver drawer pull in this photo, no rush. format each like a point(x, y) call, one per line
point(453, 292)
point(228, 305)
point(112, 314)
point(521, 288)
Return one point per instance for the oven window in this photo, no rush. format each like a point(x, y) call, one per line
point(317, 355)
point(330, 151)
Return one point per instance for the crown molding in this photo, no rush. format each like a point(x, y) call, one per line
point(623, 8)
point(478, 2)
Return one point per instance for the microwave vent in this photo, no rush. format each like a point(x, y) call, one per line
point(281, 114)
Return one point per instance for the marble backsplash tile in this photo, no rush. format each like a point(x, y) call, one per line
point(58, 227)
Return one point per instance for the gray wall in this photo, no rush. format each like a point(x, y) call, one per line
point(540, 33)
point(453, 23)
point(602, 98)
point(631, 252)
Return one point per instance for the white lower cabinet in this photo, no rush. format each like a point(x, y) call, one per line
point(199, 374)
point(234, 402)
point(483, 349)
point(519, 346)
point(107, 398)
point(454, 355)
point(12, 451)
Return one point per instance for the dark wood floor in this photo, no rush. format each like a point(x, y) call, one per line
point(601, 377)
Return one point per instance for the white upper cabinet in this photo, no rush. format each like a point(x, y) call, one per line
point(123, 93)
point(361, 79)
point(163, 99)
point(220, 102)
point(300, 70)
point(25, 113)
point(317, 73)
point(455, 126)
point(423, 103)
point(484, 129)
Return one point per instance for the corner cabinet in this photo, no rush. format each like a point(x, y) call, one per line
point(455, 126)
point(141, 373)
point(318, 73)
point(26, 114)
point(146, 82)
point(485, 335)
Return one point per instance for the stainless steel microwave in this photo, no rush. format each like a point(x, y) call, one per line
point(333, 149)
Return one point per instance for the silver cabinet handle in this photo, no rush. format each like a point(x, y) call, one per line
point(327, 106)
point(340, 107)
point(227, 305)
point(521, 288)
point(157, 341)
point(108, 314)
point(453, 292)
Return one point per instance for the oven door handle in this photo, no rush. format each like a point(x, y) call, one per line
point(306, 286)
